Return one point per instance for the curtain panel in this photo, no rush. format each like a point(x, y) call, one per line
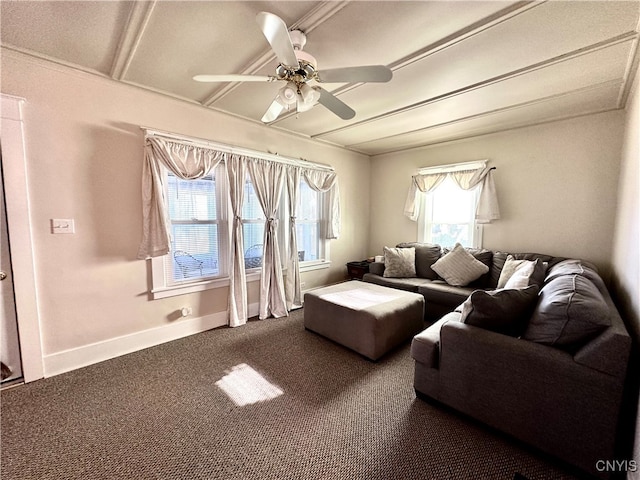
point(268, 179)
point(487, 209)
point(236, 168)
point(292, 286)
point(189, 160)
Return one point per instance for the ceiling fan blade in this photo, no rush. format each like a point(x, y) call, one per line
point(367, 73)
point(275, 30)
point(234, 78)
point(337, 106)
point(273, 111)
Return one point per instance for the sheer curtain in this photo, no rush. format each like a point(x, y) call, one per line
point(184, 161)
point(487, 209)
point(268, 180)
point(236, 173)
point(293, 289)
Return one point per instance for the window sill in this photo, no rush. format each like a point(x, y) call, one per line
point(175, 290)
point(252, 276)
point(316, 265)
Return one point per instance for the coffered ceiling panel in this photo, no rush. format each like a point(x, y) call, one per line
point(459, 68)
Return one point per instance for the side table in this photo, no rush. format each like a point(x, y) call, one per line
point(356, 270)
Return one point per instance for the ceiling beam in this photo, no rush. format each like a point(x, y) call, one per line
point(625, 37)
point(131, 37)
point(467, 32)
point(609, 83)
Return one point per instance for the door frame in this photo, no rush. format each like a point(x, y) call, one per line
point(20, 236)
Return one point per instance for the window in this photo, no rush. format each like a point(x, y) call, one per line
point(200, 223)
point(196, 228)
point(447, 213)
point(449, 216)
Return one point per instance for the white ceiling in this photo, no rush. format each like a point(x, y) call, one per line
point(459, 68)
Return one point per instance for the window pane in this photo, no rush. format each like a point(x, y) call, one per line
point(192, 199)
point(253, 239)
point(308, 237)
point(446, 234)
point(251, 209)
point(451, 204)
point(308, 223)
point(308, 207)
point(195, 251)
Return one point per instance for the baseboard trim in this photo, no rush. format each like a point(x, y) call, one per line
point(72, 359)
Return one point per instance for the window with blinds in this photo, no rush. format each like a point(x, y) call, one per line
point(195, 229)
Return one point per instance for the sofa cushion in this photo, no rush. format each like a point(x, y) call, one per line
point(407, 284)
point(503, 311)
point(569, 313)
point(441, 293)
point(459, 267)
point(521, 273)
point(399, 262)
point(426, 255)
point(574, 267)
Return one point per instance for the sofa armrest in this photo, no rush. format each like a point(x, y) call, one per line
point(425, 346)
point(376, 268)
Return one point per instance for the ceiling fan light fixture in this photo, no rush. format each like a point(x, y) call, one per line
point(308, 97)
point(288, 94)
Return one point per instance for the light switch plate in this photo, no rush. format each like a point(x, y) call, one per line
point(62, 225)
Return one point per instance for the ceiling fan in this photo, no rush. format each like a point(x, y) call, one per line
point(298, 68)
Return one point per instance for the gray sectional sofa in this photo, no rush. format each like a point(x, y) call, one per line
point(551, 374)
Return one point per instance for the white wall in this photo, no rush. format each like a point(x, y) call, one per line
point(626, 250)
point(556, 184)
point(85, 149)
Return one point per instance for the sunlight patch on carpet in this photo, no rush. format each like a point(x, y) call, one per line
point(244, 386)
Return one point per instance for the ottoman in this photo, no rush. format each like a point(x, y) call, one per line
point(365, 317)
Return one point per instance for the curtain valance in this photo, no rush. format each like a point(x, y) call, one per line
point(487, 209)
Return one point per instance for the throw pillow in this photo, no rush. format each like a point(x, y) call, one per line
point(426, 255)
point(459, 267)
point(399, 262)
point(503, 311)
point(516, 273)
point(571, 311)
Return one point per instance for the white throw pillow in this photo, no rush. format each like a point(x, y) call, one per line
point(516, 273)
point(399, 262)
point(459, 267)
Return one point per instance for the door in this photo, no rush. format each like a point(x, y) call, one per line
point(9, 340)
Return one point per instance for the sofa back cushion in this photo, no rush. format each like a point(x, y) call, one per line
point(426, 255)
point(570, 312)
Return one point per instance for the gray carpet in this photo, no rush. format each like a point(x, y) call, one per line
point(160, 414)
